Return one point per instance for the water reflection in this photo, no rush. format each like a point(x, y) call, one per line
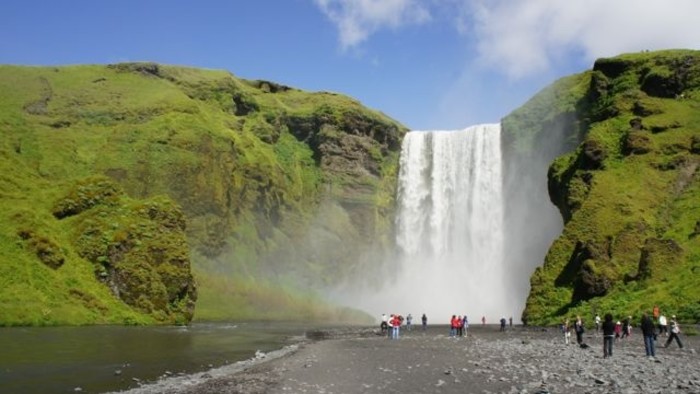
point(106, 358)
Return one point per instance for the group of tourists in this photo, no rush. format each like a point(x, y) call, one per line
point(614, 330)
point(391, 325)
point(459, 326)
point(577, 327)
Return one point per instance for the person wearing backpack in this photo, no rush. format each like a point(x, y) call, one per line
point(675, 330)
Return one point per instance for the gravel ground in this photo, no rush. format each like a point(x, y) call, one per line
point(519, 360)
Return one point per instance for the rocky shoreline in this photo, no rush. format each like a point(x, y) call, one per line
point(520, 360)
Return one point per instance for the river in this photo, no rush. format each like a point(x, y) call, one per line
point(97, 359)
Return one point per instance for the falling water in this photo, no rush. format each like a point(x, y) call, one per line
point(449, 231)
point(450, 223)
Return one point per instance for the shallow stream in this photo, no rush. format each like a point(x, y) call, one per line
point(98, 359)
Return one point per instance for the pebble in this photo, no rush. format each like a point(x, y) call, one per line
point(517, 364)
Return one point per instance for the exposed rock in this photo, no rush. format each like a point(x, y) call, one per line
point(143, 68)
point(670, 79)
point(138, 249)
point(661, 127)
point(594, 282)
point(269, 87)
point(594, 154)
point(637, 142)
point(611, 67)
point(585, 271)
point(644, 108)
point(695, 144)
point(46, 249)
point(658, 255)
point(85, 195)
point(636, 124)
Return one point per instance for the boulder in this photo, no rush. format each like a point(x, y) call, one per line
point(637, 142)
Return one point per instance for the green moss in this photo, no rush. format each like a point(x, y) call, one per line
point(85, 149)
point(622, 191)
point(548, 112)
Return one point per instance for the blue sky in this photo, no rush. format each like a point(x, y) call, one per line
point(431, 64)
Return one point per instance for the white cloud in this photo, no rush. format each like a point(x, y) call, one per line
point(358, 19)
point(524, 37)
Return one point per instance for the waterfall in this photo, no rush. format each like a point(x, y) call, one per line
point(449, 233)
point(450, 223)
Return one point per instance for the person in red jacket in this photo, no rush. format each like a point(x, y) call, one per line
point(395, 323)
point(453, 326)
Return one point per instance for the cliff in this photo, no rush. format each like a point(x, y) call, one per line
point(122, 186)
point(627, 189)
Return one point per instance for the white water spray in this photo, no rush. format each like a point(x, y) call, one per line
point(449, 229)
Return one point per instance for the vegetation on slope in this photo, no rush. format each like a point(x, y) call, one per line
point(629, 193)
point(247, 163)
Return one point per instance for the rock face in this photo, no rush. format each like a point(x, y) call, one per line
point(270, 192)
point(137, 249)
point(629, 191)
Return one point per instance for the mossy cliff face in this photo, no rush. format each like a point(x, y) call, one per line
point(277, 191)
point(629, 192)
point(138, 249)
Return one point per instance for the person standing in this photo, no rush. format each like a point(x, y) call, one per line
point(597, 323)
point(675, 331)
point(649, 332)
point(663, 325)
point(424, 320)
point(503, 324)
point(396, 326)
point(483, 320)
point(465, 324)
point(608, 335)
point(384, 324)
point(453, 326)
point(626, 327)
point(409, 319)
point(566, 329)
point(578, 328)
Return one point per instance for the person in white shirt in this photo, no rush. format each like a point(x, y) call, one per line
point(675, 330)
point(663, 326)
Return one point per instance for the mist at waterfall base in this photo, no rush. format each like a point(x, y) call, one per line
point(453, 246)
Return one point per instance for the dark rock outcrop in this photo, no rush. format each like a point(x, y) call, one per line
point(138, 249)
